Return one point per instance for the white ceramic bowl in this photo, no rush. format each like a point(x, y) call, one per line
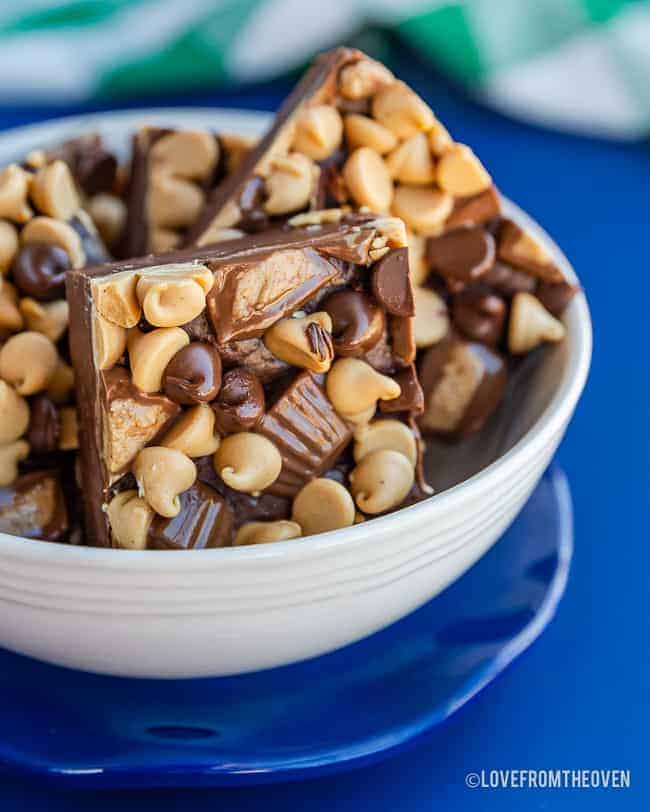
point(225, 611)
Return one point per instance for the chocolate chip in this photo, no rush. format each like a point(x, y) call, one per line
point(39, 271)
point(357, 322)
point(555, 296)
point(461, 256)
point(241, 403)
point(411, 398)
point(320, 341)
point(44, 425)
point(391, 283)
point(480, 314)
point(204, 520)
point(193, 375)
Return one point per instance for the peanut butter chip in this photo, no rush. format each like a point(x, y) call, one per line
point(461, 173)
point(319, 131)
point(368, 180)
point(322, 505)
point(423, 210)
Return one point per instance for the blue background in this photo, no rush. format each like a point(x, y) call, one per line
point(578, 698)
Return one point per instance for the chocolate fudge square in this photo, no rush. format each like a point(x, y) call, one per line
point(352, 135)
point(261, 389)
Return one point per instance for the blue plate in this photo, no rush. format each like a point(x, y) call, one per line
point(333, 712)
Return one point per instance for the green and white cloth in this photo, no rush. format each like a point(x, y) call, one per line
point(575, 64)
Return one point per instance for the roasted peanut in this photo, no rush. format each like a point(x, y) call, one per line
point(402, 111)
point(460, 172)
point(69, 433)
point(14, 186)
point(10, 455)
point(108, 213)
point(55, 232)
point(354, 387)
point(191, 154)
point(381, 481)
point(439, 138)
point(173, 202)
point(49, 318)
point(385, 434)
point(289, 184)
point(248, 462)
point(28, 361)
point(53, 191)
point(319, 131)
point(194, 433)
point(36, 158)
point(411, 161)
point(11, 318)
point(117, 301)
point(61, 383)
point(368, 180)
point(423, 210)
point(322, 505)
point(228, 217)
point(129, 517)
point(431, 317)
point(266, 532)
point(8, 245)
point(162, 474)
point(363, 131)
point(363, 79)
point(14, 414)
point(150, 353)
point(531, 324)
point(110, 342)
point(303, 342)
point(225, 234)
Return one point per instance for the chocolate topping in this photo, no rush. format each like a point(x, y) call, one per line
point(508, 281)
point(34, 507)
point(461, 256)
point(480, 314)
point(39, 271)
point(251, 205)
point(307, 431)
point(255, 355)
point(93, 167)
point(463, 383)
point(556, 296)
point(204, 520)
point(391, 283)
point(133, 418)
point(193, 375)
point(475, 210)
point(357, 322)
point(240, 405)
point(520, 249)
point(248, 297)
point(44, 426)
point(411, 398)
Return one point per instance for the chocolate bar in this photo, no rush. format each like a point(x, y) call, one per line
point(44, 233)
point(351, 134)
point(171, 173)
point(191, 435)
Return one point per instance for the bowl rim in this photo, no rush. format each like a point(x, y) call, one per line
point(549, 423)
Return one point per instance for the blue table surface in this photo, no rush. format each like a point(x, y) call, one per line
point(578, 698)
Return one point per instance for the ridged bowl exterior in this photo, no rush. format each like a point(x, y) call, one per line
point(227, 611)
